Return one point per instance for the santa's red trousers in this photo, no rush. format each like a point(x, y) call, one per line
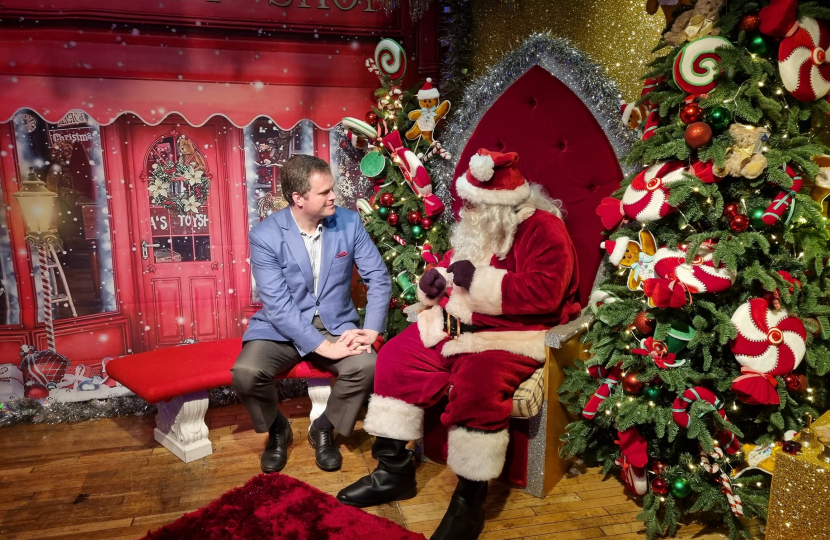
point(480, 385)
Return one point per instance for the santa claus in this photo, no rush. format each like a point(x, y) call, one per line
point(511, 276)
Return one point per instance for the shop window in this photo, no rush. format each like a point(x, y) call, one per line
point(9, 298)
point(67, 157)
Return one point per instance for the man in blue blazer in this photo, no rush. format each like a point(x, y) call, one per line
point(302, 258)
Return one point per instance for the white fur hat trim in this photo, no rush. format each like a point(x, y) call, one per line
point(482, 167)
point(617, 251)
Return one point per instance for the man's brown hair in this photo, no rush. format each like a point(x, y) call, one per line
point(295, 175)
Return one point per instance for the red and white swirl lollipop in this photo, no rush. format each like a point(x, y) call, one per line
point(646, 198)
point(701, 276)
point(696, 65)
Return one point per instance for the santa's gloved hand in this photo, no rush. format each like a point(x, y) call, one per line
point(462, 274)
point(433, 284)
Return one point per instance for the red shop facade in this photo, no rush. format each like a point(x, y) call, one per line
point(94, 100)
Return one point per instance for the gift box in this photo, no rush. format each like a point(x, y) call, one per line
point(800, 493)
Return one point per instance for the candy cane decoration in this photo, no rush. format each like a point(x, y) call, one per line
point(680, 413)
point(609, 379)
point(46, 285)
point(390, 58)
point(435, 149)
point(428, 255)
point(372, 67)
point(400, 240)
point(713, 468)
point(784, 201)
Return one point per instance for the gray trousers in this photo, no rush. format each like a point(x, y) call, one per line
point(261, 360)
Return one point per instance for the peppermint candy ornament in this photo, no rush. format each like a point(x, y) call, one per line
point(633, 460)
point(769, 343)
point(702, 275)
point(802, 60)
point(696, 65)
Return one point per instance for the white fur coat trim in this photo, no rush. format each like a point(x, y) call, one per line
point(459, 305)
point(476, 455)
point(427, 301)
point(394, 419)
point(485, 291)
point(530, 343)
point(432, 326)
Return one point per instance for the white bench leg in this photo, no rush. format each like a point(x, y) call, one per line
point(181, 428)
point(319, 391)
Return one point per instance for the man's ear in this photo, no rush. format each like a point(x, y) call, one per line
point(298, 199)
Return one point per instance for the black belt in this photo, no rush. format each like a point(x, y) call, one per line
point(455, 327)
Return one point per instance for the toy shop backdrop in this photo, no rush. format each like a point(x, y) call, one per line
point(138, 147)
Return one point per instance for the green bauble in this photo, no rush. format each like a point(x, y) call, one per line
point(758, 44)
point(418, 232)
point(410, 298)
point(383, 211)
point(755, 216)
point(719, 117)
point(680, 487)
point(652, 393)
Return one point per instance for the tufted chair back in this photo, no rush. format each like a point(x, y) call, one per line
point(562, 147)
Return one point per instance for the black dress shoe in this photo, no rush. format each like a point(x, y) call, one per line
point(275, 456)
point(327, 454)
point(392, 480)
point(464, 519)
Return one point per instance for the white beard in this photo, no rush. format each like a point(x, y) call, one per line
point(483, 232)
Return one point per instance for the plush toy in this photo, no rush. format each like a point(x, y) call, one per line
point(637, 256)
point(431, 112)
point(695, 23)
point(745, 157)
point(669, 7)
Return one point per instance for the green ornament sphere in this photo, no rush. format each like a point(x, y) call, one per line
point(383, 211)
point(755, 216)
point(758, 44)
point(652, 393)
point(680, 487)
point(418, 232)
point(410, 298)
point(719, 117)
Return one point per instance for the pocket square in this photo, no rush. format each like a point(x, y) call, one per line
point(341, 254)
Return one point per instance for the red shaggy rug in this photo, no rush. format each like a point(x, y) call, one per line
point(277, 507)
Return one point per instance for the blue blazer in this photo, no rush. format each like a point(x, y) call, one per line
point(282, 270)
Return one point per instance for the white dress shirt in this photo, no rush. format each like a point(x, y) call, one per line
point(313, 245)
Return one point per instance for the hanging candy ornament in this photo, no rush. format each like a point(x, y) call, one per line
point(696, 65)
point(371, 118)
point(426, 223)
point(756, 216)
point(399, 240)
point(784, 202)
point(796, 382)
point(631, 385)
point(609, 378)
point(659, 352)
point(709, 462)
point(414, 217)
point(359, 128)
point(739, 223)
point(698, 134)
point(633, 460)
point(730, 210)
point(719, 117)
point(393, 219)
point(387, 199)
point(660, 486)
point(802, 59)
point(749, 22)
point(680, 487)
point(364, 209)
point(418, 232)
point(374, 165)
point(427, 254)
point(677, 279)
point(680, 414)
point(414, 173)
point(769, 343)
point(643, 324)
point(758, 44)
point(691, 113)
point(390, 58)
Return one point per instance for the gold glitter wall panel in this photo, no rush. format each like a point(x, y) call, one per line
point(618, 34)
point(799, 499)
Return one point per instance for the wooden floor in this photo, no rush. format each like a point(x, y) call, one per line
point(108, 479)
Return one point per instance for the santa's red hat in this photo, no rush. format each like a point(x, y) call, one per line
point(493, 178)
point(427, 91)
point(616, 249)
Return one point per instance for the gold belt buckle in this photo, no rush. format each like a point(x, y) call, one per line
point(453, 333)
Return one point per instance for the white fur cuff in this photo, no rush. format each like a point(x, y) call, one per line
point(431, 326)
point(485, 291)
point(394, 419)
point(476, 455)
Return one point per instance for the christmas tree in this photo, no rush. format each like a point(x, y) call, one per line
point(711, 337)
point(405, 217)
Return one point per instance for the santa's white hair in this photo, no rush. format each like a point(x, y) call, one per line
point(488, 229)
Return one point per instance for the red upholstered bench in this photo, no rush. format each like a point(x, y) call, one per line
point(177, 379)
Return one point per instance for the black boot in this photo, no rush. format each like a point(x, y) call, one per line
point(326, 453)
point(464, 519)
point(275, 456)
point(392, 480)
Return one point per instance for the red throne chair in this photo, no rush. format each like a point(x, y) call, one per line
point(561, 146)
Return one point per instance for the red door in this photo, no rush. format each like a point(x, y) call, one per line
point(178, 196)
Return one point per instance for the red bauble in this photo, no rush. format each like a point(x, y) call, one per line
point(660, 486)
point(796, 382)
point(36, 391)
point(659, 467)
point(426, 223)
point(631, 385)
point(698, 134)
point(393, 219)
point(344, 145)
point(731, 210)
point(414, 217)
point(739, 223)
point(791, 447)
point(371, 118)
point(387, 199)
point(750, 22)
point(643, 324)
point(393, 303)
point(691, 113)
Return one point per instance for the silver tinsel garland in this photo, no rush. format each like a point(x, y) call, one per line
point(565, 62)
